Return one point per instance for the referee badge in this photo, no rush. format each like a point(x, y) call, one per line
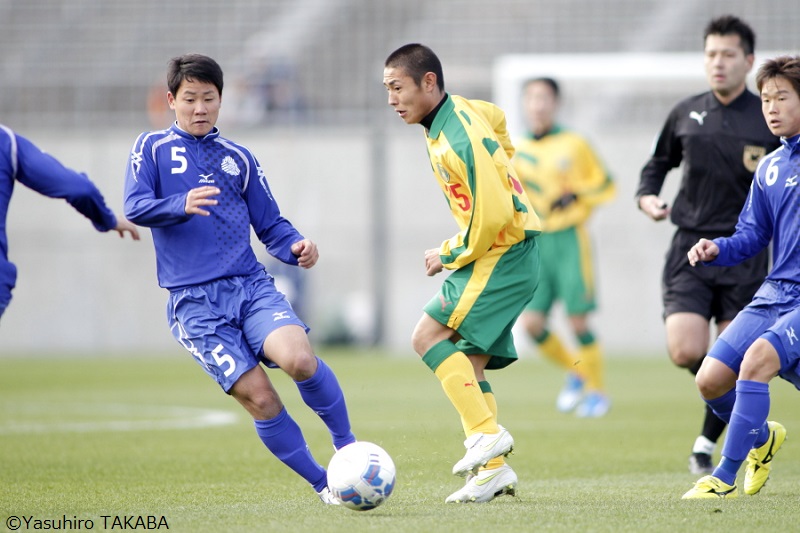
point(752, 155)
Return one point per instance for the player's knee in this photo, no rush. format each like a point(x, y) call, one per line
point(420, 342)
point(684, 358)
point(262, 404)
point(264, 407)
point(709, 387)
point(761, 362)
point(302, 366)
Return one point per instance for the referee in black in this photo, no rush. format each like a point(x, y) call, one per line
point(719, 136)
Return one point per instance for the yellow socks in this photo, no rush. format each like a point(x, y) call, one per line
point(552, 348)
point(488, 395)
point(590, 363)
point(457, 376)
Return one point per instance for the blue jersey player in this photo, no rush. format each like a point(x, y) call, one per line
point(762, 341)
point(22, 161)
point(200, 194)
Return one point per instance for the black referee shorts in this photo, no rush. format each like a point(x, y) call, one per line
point(711, 291)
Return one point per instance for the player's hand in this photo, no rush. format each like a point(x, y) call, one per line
point(704, 250)
point(306, 252)
point(563, 202)
point(654, 207)
point(199, 197)
point(433, 263)
point(127, 226)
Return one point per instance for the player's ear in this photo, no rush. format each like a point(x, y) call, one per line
point(171, 100)
point(429, 81)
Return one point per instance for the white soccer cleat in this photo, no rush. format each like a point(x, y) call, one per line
point(571, 394)
point(482, 448)
point(327, 497)
point(486, 486)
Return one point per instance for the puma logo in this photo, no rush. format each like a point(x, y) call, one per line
point(699, 117)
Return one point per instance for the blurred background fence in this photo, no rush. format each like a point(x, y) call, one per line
point(303, 89)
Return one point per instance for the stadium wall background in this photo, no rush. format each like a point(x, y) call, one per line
point(81, 77)
point(82, 291)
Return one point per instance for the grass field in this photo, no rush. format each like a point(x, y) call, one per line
point(88, 437)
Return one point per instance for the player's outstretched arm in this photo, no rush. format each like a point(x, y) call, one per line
point(306, 252)
point(704, 250)
point(654, 207)
point(124, 226)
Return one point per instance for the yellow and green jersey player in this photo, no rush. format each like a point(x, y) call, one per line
point(565, 180)
point(466, 328)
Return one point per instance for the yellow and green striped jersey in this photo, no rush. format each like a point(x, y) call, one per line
point(560, 163)
point(470, 152)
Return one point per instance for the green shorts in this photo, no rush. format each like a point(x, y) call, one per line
point(483, 300)
point(566, 272)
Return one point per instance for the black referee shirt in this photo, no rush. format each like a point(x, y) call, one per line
point(720, 147)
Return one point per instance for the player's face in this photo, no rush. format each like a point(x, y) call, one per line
point(196, 106)
point(726, 64)
point(539, 104)
point(781, 107)
point(411, 101)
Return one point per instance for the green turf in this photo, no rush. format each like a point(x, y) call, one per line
point(87, 437)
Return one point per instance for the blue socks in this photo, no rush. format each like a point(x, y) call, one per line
point(284, 439)
point(322, 393)
point(723, 406)
point(747, 428)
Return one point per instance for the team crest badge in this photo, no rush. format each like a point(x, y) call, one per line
point(752, 155)
point(443, 172)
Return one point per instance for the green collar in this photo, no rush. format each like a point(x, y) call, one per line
point(438, 121)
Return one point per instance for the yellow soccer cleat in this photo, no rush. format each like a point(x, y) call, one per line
point(759, 460)
point(709, 487)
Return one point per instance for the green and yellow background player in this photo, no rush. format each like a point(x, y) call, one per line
point(565, 180)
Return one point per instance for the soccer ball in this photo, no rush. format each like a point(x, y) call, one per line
point(361, 476)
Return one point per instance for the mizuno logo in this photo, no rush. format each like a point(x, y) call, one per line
point(699, 117)
point(791, 182)
point(204, 178)
point(791, 335)
point(280, 315)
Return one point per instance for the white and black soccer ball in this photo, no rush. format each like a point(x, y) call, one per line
point(361, 476)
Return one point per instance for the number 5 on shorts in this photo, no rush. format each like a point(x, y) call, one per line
point(223, 359)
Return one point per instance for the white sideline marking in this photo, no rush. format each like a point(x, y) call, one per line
point(153, 418)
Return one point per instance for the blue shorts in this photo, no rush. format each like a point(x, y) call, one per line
point(224, 323)
point(772, 315)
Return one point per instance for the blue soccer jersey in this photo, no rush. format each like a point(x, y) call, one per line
point(770, 213)
point(164, 166)
point(22, 161)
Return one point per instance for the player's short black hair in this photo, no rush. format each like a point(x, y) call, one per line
point(550, 82)
point(731, 25)
point(417, 60)
point(193, 67)
point(786, 67)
